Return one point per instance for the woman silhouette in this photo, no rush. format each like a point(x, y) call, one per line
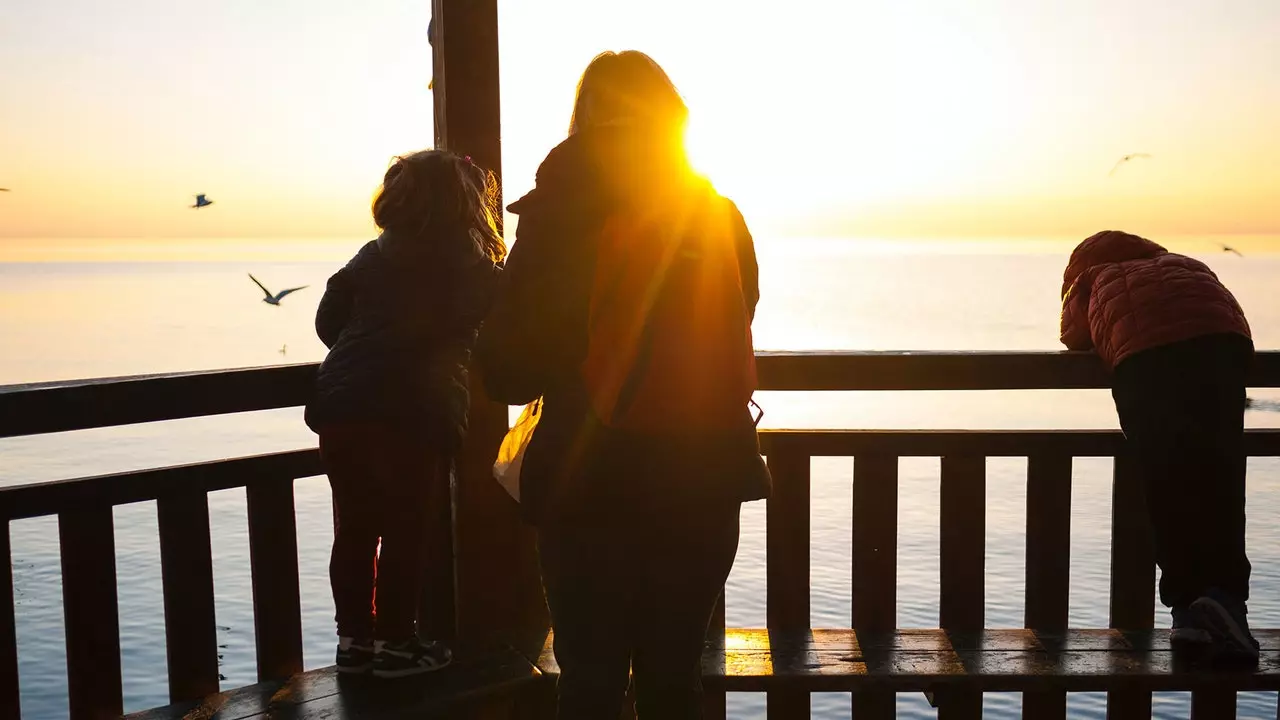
point(635, 494)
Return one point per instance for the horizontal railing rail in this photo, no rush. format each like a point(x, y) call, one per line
point(84, 509)
point(39, 408)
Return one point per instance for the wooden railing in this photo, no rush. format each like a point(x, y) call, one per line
point(84, 510)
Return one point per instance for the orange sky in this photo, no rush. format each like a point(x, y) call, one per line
point(912, 118)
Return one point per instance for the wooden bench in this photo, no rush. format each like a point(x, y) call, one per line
point(325, 694)
point(954, 665)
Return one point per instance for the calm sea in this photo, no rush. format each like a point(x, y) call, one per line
point(75, 320)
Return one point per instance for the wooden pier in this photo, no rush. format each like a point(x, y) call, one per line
point(500, 623)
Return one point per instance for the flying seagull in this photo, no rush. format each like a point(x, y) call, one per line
point(1125, 159)
point(202, 201)
point(1228, 248)
point(273, 299)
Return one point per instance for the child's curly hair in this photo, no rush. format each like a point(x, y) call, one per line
point(433, 192)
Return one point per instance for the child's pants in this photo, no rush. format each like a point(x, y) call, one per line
point(385, 481)
point(1182, 410)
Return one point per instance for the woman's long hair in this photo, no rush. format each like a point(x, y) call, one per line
point(433, 193)
point(627, 86)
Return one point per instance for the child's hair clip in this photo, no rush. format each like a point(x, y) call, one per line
point(467, 159)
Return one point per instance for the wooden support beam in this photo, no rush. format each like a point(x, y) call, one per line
point(499, 589)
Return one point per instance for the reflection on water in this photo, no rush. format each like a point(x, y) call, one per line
point(86, 320)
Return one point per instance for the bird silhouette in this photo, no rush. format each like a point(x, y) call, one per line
point(276, 298)
point(1228, 248)
point(1125, 159)
point(202, 201)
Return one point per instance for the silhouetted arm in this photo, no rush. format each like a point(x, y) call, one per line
point(1075, 315)
point(748, 267)
point(335, 309)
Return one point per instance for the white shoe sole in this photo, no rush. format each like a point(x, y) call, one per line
point(1190, 636)
point(409, 672)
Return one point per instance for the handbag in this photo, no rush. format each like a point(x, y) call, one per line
point(506, 469)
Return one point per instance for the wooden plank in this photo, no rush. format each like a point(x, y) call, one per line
point(841, 660)
point(90, 612)
point(10, 705)
point(80, 404)
point(1213, 704)
point(962, 542)
point(273, 559)
point(715, 703)
point(787, 563)
point(50, 498)
point(1133, 563)
point(787, 542)
point(953, 371)
point(875, 564)
point(500, 597)
point(962, 551)
point(101, 402)
point(875, 543)
point(988, 443)
point(1132, 576)
point(1048, 565)
point(323, 694)
point(186, 565)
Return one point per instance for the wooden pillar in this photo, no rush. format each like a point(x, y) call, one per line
point(499, 590)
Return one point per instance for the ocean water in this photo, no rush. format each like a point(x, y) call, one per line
point(64, 320)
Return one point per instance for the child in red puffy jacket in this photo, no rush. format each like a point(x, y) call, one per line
point(1180, 349)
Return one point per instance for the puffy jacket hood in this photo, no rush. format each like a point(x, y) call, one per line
point(1108, 246)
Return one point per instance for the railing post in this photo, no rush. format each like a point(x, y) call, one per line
point(1133, 574)
point(499, 588)
point(186, 567)
point(10, 700)
point(1048, 566)
point(875, 564)
point(91, 612)
point(787, 562)
point(273, 560)
point(962, 550)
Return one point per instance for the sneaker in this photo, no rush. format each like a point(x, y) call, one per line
point(1188, 629)
point(355, 655)
point(1224, 618)
point(409, 657)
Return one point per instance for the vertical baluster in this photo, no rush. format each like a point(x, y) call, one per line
point(91, 613)
point(1048, 565)
point(1133, 569)
point(875, 559)
point(273, 558)
point(1213, 704)
point(787, 563)
point(962, 550)
point(186, 565)
point(10, 705)
point(714, 702)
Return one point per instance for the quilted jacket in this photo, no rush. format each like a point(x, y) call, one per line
point(1122, 294)
point(400, 321)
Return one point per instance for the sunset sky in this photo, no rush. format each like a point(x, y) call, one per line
point(908, 118)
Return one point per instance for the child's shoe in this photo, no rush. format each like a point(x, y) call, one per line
point(409, 657)
point(355, 655)
point(1225, 619)
point(1189, 630)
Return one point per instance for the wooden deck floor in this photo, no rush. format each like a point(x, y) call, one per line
point(754, 661)
point(324, 694)
point(990, 661)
